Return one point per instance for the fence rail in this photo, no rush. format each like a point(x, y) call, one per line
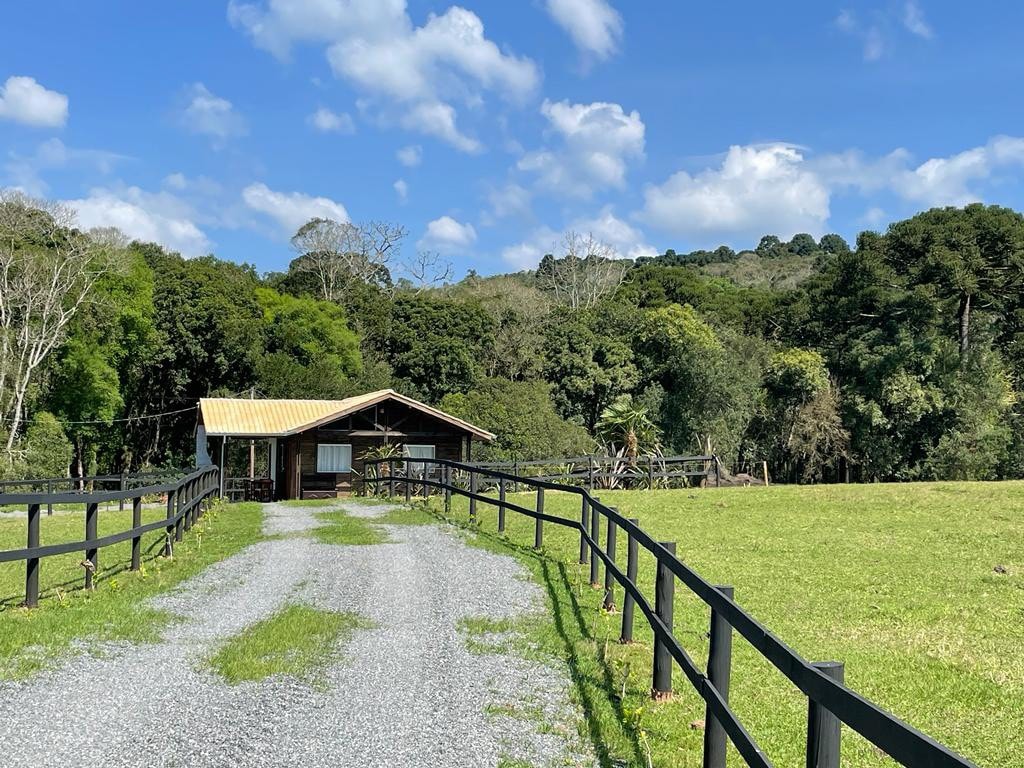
point(829, 700)
point(595, 472)
point(187, 498)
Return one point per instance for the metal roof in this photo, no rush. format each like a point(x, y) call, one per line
point(239, 417)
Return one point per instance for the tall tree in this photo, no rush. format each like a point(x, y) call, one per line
point(47, 271)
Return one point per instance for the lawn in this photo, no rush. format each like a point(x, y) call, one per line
point(116, 609)
point(918, 588)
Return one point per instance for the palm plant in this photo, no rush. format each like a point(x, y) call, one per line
point(628, 431)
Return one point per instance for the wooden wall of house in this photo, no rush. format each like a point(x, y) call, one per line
point(368, 429)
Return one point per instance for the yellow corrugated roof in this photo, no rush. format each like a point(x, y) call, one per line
point(239, 417)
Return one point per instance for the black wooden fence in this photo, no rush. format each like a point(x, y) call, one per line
point(830, 702)
point(595, 472)
point(187, 498)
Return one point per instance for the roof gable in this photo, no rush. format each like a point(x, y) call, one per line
point(239, 417)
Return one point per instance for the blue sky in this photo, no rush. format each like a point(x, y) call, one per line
point(491, 128)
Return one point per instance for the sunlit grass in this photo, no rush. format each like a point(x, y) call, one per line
point(918, 588)
point(298, 641)
point(30, 639)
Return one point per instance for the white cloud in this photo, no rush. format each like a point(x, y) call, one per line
point(402, 189)
point(445, 234)
point(410, 156)
point(869, 35)
point(876, 32)
point(151, 217)
point(414, 71)
point(326, 121)
point(23, 100)
point(627, 240)
point(594, 26)
point(211, 115)
point(26, 172)
point(291, 209)
point(756, 189)
point(914, 21)
point(952, 180)
point(775, 188)
point(598, 142)
point(509, 200)
point(435, 118)
point(873, 218)
point(528, 253)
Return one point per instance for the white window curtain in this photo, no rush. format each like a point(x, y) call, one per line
point(418, 452)
point(333, 458)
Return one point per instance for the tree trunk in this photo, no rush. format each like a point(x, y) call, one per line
point(964, 315)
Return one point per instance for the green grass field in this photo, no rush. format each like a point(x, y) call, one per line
point(900, 582)
point(116, 608)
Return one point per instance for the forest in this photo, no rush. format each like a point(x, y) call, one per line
point(896, 358)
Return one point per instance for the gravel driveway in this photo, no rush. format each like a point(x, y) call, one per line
point(405, 693)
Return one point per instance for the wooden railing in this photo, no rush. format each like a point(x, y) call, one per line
point(595, 472)
point(187, 498)
point(830, 702)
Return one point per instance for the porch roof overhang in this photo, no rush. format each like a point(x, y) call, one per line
point(250, 418)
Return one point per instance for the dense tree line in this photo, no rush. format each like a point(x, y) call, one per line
point(898, 358)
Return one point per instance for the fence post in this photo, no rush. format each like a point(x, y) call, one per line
point(628, 603)
point(718, 473)
point(472, 500)
point(179, 526)
point(49, 504)
point(120, 487)
point(501, 505)
point(92, 514)
point(538, 529)
point(408, 485)
point(609, 579)
point(595, 535)
point(32, 563)
point(448, 490)
point(823, 728)
point(719, 666)
point(590, 473)
point(584, 525)
point(426, 488)
point(664, 595)
point(650, 473)
point(136, 540)
point(515, 471)
point(391, 478)
point(169, 531)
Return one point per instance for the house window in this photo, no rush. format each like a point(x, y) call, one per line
point(333, 458)
point(418, 452)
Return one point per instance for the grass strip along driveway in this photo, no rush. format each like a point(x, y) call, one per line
point(117, 609)
point(918, 588)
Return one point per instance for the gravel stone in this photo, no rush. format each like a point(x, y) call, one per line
point(406, 692)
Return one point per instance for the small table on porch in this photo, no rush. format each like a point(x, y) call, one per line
point(258, 489)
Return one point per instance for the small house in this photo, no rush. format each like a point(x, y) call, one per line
point(317, 447)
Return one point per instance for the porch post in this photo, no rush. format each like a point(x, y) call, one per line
point(223, 442)
point(272, 474)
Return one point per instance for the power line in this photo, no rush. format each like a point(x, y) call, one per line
point(129, 418)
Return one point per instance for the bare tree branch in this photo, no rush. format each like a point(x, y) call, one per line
point(427, 269)
point(336, 252)
point(47, 270)
point(588, 271)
